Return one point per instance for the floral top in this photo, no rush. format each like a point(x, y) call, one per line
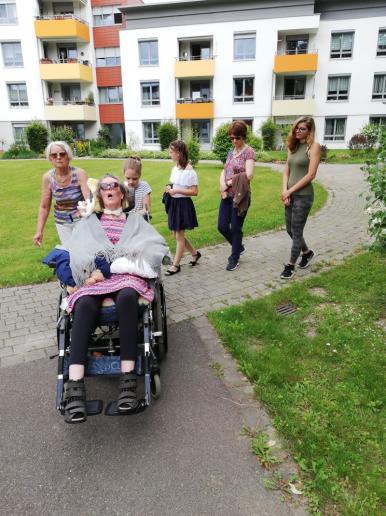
point(236, 164)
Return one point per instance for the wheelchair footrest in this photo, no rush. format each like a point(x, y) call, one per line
point(112, 409)
point(94, 407)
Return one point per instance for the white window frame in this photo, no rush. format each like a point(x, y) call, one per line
point(237, 36)
point(9, 19)
point(338, 96)
point(148, 61)
point(19, 125)
point(20, 103)
point(381, 52)
point(14, 64)
point(244, 99)
point(107, 53)
point(154, 138)
point(100, 15)
point(333, 137)
point(382, 95)
point(341, 54)
point(106, 89)
point(152, 101)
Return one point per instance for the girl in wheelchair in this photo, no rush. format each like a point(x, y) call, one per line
point(127, 251)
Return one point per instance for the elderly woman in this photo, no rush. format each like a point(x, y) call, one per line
point(235, 191)
point(67, 185)
point(121, 238)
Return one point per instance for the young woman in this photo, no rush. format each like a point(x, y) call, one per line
point(132, 169)
point(181, 213)
point(298, 193)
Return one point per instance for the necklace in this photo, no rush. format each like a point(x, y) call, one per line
point(62, 180)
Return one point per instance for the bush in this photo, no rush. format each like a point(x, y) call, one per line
point(284, 132)
point(254, 141)
point(63, 133)
point(167, 132)
point(221, 143)
point(121, 146)
point(372, 133)
point(268, 132)
point(323, 152)
point(149, 154)
point(358, 142)
point(208, 155)
point(81, 148)
point(114, 153)
point(104, 137)
point(19, 150)
point(37, 136)
point(193, 150)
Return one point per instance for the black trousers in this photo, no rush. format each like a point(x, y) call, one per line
point(86, 313)
point(230, 225)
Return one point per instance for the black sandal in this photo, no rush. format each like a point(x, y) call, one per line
point(127, 399)
point(170, 272)
point(75, 410)
point(195, 257)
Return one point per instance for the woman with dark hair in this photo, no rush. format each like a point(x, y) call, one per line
point(235, 191)
point(298, 193)
point(181, 211)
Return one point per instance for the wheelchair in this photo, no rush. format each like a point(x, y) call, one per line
point(103, 349)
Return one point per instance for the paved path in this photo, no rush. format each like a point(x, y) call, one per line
point(27, 314)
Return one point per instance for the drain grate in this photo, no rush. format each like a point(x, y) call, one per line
point(286, 309)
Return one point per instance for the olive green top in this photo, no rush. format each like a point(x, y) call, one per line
point(298, 163)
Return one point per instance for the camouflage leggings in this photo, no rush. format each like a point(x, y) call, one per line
point(295, 219)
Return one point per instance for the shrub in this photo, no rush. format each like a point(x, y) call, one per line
point(37, 136)
point(208, 155)
point(104, 137)
point(254, 141)
point(221, 143)
point(121, 146)
point(149, 154)
point(193, 150)
point(284, 132)
point(323, 152)
point(358, 142)
point(63, 133)
point(167, 132)
point(19, 150)
point(268, 132)
point(114, 153)
point(372, 133)
point(81, 148)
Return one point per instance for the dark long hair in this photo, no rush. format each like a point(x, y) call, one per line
point(183, 155)
point(292, 141)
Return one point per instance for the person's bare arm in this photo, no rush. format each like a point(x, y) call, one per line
point(44, 209)
point(249, 168)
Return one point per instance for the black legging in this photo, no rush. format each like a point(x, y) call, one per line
point(87, 309)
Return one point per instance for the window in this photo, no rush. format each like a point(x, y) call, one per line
point(244, 46)
point(148, 52)
point(379, 87)
point(200, 50)
point(248, 121)
point(334, 129)
point(338, 87)
point(17, 94)
point(296, 45)
point(63, 8)
point(200, 90)
point(19, 131)
point(150, 93)
point(150, 132)
point(108, 56)
point(201, 129)
point(8, 14)
point(294, 87)
point(381, 47)
point(107, 15)
point(341, 45)
point(66, 52)
point(243, 89)
point(378, 120)
point(12, 56)
point(112, 95)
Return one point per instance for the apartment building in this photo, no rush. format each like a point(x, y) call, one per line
point(203, 63)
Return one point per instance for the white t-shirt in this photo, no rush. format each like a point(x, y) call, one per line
point(183, 178)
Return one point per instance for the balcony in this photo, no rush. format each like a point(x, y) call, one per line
point(188, 109)
point(185, 68)
point(64, 27)
point(293, 106)
point(68, 70)
point(304, 63)
point(70, 111)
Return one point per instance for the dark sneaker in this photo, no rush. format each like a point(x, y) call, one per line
point(289, 272)
point(243, 249)
point(232, 265)
point(306, 260)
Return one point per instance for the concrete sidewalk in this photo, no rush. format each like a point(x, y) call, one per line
point(28, 314)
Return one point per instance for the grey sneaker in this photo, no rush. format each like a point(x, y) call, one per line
point(306, 259)
point(232, 265)
point(288, 272)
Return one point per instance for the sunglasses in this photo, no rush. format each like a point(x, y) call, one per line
point(57, 155)
point(109, 186)
point(137, 158)
point(302, 129)
point(235, 137)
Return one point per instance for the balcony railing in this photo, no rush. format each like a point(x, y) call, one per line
point(293, 97)
point(74, 102)
point(61, 17)
point(45, 60)
point(189, 100)
point(195, 58)
point(285, 52)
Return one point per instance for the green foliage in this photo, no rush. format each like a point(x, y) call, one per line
point(372, 133)
point(115, 153)
point(121, 146)
point(323, 152)
point(193, 150)
point(104, 137)
point(19, 150)
point(81, 148)
point(63, 133)
point(37, 136)
point(284, 132)
point(221, 143)
point(167, 132)
point(268, 132)
point(358, 142)
point(376, 200)
point(254, 141)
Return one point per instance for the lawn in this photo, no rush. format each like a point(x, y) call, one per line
point(344, 156)
point(20, 182)
point(321, 374)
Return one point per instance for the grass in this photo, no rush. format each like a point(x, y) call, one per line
point(20, 183)
point(320, 373)
point(344, 156)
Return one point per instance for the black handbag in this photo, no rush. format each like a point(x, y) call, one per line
point(166, 199)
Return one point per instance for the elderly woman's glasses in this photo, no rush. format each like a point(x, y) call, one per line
point(58, 155)
point(109, 186)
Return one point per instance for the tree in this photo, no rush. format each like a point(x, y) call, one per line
point(63, 133)
point(104, 137)
point(37, 136)
point(268, 132)
point(221, 143)
point(167, 133)
point(193, 150)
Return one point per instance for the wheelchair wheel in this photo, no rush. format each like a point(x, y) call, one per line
point(161, 323)
point(155, 386)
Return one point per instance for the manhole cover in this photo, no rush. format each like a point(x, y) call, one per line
point(286, 309)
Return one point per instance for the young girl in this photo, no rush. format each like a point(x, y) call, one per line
point(181, 213)
point(132, 169)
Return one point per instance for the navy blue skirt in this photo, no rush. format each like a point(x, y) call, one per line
point(182, 214)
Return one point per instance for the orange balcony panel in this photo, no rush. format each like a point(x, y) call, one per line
point(195, 110)
point(102, 3)
point(66, 72)
point(106, 36)
point(65, 29)
point(302, 63)
point(199, 68)
point(111, 113)
point(109, 76)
